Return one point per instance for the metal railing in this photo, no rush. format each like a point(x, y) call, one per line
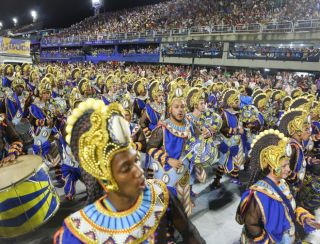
point(272, 27)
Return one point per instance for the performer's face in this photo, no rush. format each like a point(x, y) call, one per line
point(19, 90)
point(160, 97)
point(201, 106)
point(45, 96)
point(178, 110)
point(285, 169)
point(128, 174)
point(127, 116)
point(306, 133)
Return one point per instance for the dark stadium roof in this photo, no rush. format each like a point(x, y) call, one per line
point(57, 13)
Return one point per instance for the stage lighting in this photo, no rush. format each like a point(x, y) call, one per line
point(34, 15)
point(15, 21)
point(1, 25)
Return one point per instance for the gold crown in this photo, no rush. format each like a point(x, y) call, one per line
point(18, 82)
point(84, 85)
point(155, 89)
point(194, 96)
point(45, 85)
point(109, 134)
point(273, 154)
point(75, 96)
point(299, 123)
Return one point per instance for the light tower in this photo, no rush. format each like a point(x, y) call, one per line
point(1, 25)
point(96, 5)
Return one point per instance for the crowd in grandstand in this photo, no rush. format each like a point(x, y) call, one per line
point(188, 13)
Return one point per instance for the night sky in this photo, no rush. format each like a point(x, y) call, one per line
point(57, 13)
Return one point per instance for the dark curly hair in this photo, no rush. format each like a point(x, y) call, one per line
point(285, 119)
point(81, 126)
point(254, 163)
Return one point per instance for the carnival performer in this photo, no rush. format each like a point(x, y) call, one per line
point(296, 125)
point(155, 109)
point(231, 150)
point(112, 83)
point(134, 210)
point(17, 104)
point(268, 209)
point(209, 123)
point(166, 146)
point(45, 133)
point(8, 75)
point(140, 97)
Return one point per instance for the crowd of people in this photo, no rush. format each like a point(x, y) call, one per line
point(151, 49)
point(187, 13)
point(140, 136)
point(61, 53)
point(260, 51)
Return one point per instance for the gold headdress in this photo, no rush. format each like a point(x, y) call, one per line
point(301, 102)
point(139, 87)
point(17, 81)
point(76, 73)
point(112, 80)
point(49, 69)
point(75, 97)
point(286, 102)
point(296, 93)
point(108, 135)
point(260, 101)
point(256, 92)
point(32, 75)
point(272, 155)
point(176, 92)
point(6, 69)
point(45, 86)
point(295, 120)
point(155, 89)
point(100, 81)
point(194, 96)
point(127, 104)
point(25, 68)
point(230, 98)
point(84, 85)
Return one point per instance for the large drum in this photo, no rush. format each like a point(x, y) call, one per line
point(27, 196)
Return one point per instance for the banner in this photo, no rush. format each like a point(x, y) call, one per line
point(14, 46)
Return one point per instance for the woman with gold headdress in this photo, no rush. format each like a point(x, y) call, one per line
point(8, 75)
point(140, 93)
point(296, 124)
point(112, 95)
point(85, 88)
point(267, 209)
point(231, 150)
point(17, 105)
point(33, 80)
point(135, 210)
point(155, 109)
point(42, 118)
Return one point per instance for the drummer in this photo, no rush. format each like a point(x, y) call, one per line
point(8, 135)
